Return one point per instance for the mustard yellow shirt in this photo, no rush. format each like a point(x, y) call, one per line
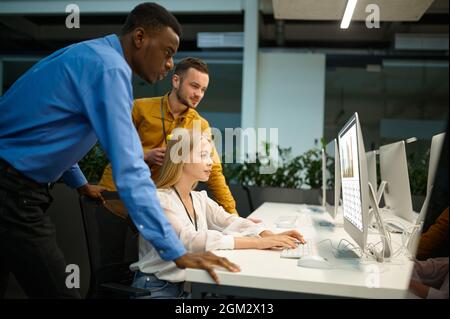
point(147, 119)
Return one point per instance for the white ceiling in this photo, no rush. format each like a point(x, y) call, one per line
point(390, 10)
point(34, 25)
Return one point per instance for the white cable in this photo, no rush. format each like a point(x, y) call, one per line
point(408, 231)
point(365, 256)
point(339, 244)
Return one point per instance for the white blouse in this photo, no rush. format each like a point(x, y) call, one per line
point(216, 230)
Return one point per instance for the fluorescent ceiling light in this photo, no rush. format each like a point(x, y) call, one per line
point(351, 4)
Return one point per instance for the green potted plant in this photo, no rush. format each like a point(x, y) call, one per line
point(418, 176)
point(93, 164)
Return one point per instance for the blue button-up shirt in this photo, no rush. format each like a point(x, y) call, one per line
point(54, 114)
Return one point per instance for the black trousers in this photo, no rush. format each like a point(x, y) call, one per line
point(28, 246)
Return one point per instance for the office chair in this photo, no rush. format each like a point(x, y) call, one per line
point(240, 194)
point(244, 203)
point(112, 247)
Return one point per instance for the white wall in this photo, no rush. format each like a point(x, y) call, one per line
point(291, 97)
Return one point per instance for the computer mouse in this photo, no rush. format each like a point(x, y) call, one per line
point(314, 261)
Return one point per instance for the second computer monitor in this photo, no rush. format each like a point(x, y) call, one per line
point(429, 213)
point(332, 177)
point(435, 151)
point(355, 189)
point(371, 158)
point(394, 170)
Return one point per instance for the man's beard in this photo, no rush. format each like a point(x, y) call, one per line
point(182, 99)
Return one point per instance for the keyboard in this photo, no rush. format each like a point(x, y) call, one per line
point(300, 251)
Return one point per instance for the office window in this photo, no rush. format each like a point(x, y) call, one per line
point(395, 100)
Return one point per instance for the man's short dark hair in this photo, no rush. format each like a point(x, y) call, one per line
point(152, 17)
point(187, 63)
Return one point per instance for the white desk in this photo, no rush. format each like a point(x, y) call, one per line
point(264, 273)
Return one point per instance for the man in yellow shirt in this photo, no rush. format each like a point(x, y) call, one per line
point(155, 118)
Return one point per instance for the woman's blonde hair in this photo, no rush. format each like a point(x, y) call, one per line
point(179, 148)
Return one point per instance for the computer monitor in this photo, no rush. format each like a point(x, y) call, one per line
point(355, 190)
point(332, 177)
point(435, 151)
point(371, 158)
point(394, 170)
point(437, 190)
point(437, 183)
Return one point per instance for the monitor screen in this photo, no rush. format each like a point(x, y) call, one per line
point(350, 174)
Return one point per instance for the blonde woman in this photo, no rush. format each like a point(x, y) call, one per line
point(201, 223)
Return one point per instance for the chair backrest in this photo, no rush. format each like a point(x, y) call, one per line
point(242, 197)
point(112, 244)
point(240, 194)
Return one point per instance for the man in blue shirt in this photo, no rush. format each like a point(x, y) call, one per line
point(52, 116)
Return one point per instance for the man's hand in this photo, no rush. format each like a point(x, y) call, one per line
point(93, 191)
point(206, 261)
point(155, 156)
point(418, 289)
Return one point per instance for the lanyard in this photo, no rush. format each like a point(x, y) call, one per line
point(162, 120)
point(185, 208)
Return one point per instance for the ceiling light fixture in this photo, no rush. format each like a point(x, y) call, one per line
point(351, 5)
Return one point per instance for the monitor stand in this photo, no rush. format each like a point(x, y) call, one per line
point(386, 251)
point(377, 200)
point(414, 237)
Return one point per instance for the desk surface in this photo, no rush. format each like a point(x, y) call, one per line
point(264, 269)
